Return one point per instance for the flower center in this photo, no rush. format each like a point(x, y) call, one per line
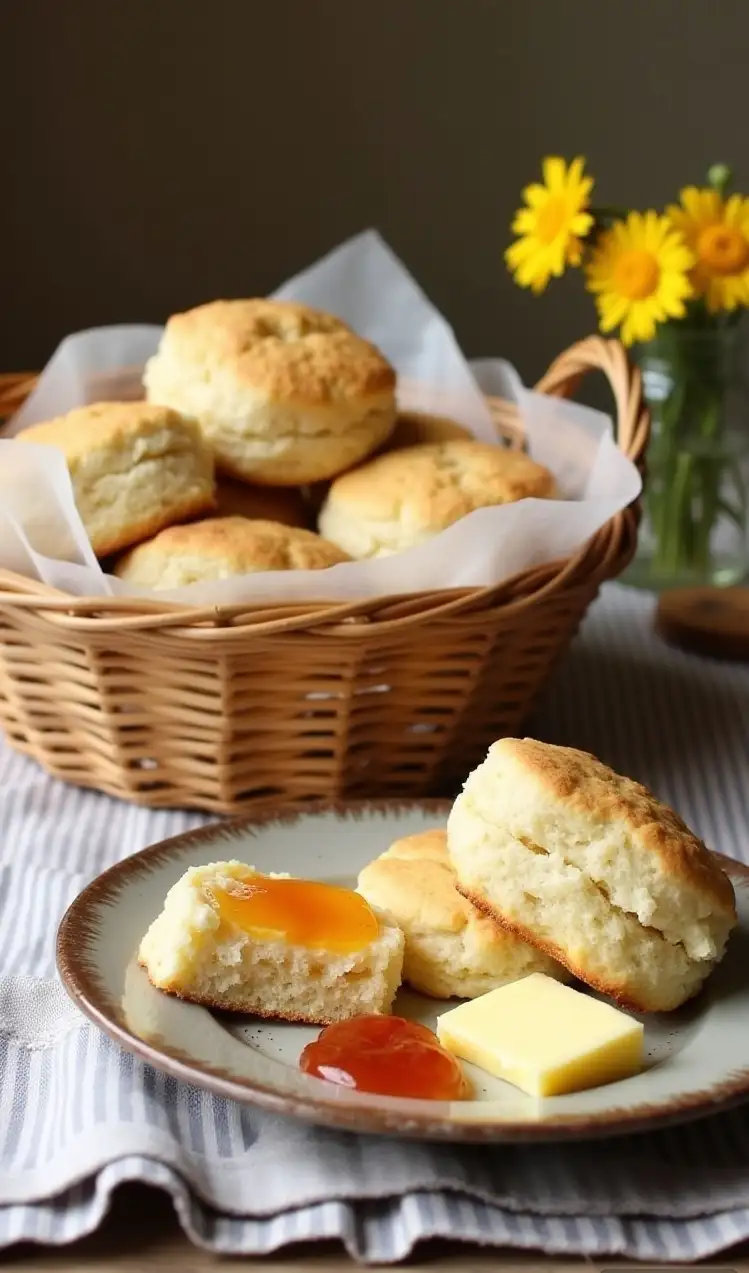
point(636, 274)
point(551, 219)
point(723, 250)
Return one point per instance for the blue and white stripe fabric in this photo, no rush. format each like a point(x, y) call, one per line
point(78, 1116)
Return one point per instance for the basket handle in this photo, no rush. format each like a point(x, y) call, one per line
point(597, 354)
point(15, 388)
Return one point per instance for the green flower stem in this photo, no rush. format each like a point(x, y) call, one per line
point(688, 466)
point(712, 476)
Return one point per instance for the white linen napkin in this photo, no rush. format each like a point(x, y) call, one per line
point(78, 1116)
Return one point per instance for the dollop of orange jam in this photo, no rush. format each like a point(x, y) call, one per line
point(389, 1056)
point(301, 912)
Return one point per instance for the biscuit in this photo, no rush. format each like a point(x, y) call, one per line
point(591, 868)
point(452, 949)
point(416, 428)
point(268, 503)
point(135, 468)
point(412, 428)
point(199, 951)
point(286, 395)
point(403, 498)
point(221, 547)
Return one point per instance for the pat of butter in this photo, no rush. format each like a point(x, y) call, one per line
point(544, 1037)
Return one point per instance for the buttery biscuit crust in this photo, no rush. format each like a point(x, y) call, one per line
point(135, 467)
point(452, 947)
point(287, 352)
point(220, 547)
point(403, 497)
point(286, 395)
point(591, 868)
point(432, 486)
point(580, 783)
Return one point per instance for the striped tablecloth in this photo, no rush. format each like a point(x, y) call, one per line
point(78, 1117)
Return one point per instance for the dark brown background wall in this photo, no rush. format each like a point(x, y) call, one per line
point(157, 153)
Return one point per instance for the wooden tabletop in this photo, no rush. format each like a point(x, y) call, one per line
point(142, 1235)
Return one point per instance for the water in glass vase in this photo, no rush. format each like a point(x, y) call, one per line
point(694, 527)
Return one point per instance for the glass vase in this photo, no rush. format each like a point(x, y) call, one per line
point(694, 527)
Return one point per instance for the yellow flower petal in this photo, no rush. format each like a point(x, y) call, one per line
point(518, 252)
point(525, 221)
point(554, 170)
point(615, 308)
point(581, 224)
point(576, 170)
point(535, 194)
point(552, 224)
point(638, 274)
point(574, 253)
point(717, 232)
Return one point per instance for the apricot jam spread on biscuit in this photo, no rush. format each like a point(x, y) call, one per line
point(389, 1056)
point(300, 912)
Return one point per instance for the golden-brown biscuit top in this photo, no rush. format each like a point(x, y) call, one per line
point(433, 486)
point(581, 784)
point(239, 544)
point(414, 878)
point(285, 350)
point(108, 425)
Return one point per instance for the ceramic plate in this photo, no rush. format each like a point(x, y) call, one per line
point(697, 1058)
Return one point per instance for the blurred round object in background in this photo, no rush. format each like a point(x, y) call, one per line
point(710, 621)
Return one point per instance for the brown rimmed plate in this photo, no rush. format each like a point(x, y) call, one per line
point(697, 1058)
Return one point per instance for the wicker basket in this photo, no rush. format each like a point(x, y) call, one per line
point(219, 707)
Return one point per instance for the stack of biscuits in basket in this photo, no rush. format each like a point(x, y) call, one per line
point(269, 439)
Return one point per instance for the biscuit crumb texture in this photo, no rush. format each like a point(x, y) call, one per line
point(592, 868)
point(135, 469)
point(286, 394)
point(452, 949)
point(191, 952)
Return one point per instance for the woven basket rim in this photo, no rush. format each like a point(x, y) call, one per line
point(601, 558)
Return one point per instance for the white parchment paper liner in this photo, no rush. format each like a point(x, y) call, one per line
point(42, 536)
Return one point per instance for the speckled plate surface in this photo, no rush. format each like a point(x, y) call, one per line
point(697, 1058)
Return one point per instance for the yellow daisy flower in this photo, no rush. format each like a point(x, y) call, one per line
point(717, 231)
point(638, 271)
point(551, 225)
